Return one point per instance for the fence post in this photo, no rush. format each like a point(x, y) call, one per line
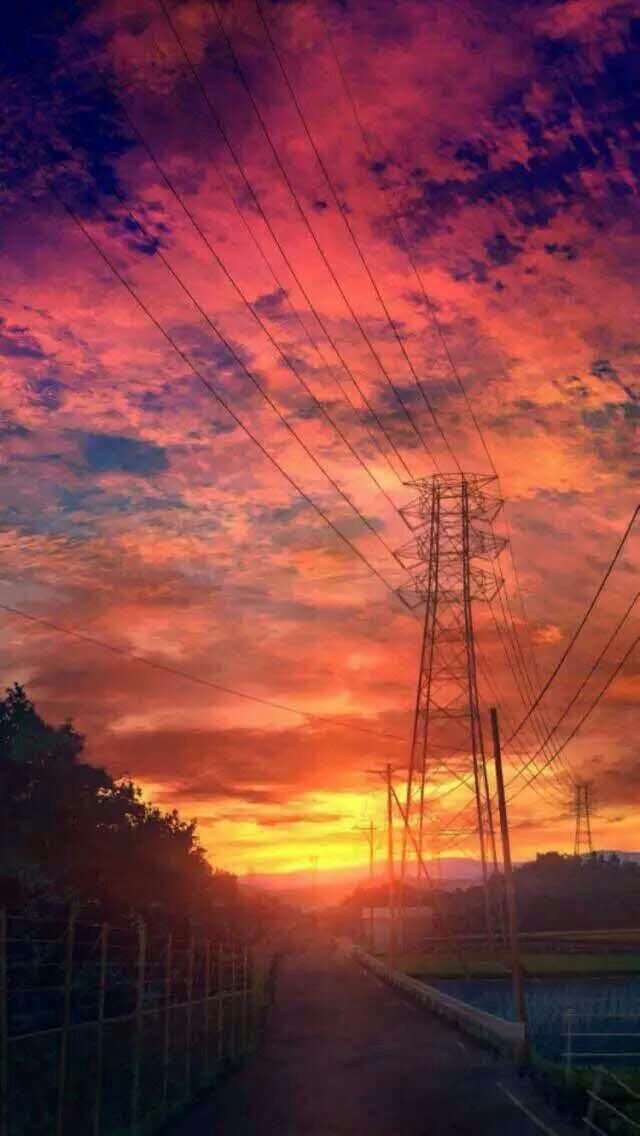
point(207, 996)
point(166, 1044)
point(568, 1057)
point(138, 1022)
point(245, 999)
point(4, 1029)
point(220, 1004)
point(102, 990)
point(232, 1007)
point(66, 1019)
point(257, 978)
point(187, 1056)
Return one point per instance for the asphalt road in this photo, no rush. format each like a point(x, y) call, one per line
point(346, 1056)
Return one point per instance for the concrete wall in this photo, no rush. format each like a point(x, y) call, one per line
point(498, 1033)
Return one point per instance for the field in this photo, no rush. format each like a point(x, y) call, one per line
point(602, 1013)
point(535, 965)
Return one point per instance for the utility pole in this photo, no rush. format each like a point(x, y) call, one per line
point(372, 838)
point(451, 516)
point(514, 944)
point(390, 871)
point(314, 882)
point(370, 832)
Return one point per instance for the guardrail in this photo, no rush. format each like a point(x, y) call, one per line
point(498, 1033)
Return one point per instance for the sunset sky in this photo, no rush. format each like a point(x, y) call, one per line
point(504, 137)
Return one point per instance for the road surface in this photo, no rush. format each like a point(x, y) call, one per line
point(346, 1056)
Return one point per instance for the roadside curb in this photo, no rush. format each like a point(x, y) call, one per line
point(508, 1038)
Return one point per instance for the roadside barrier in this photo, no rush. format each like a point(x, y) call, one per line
point(508, 1038)
point(110, 1030)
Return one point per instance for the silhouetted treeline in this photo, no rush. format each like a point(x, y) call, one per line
point(562, 893)
point(555, 893)
point(70, 833)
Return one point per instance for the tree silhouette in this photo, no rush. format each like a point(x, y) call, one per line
point(70, 832)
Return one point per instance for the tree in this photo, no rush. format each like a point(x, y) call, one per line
point(71, 832)
point(556, 892)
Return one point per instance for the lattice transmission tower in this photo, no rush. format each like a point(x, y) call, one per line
point(452, 516)
point(582, 802)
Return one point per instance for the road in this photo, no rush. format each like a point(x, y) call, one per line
point(346, 1056)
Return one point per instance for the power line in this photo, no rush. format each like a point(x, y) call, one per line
point(581, 624)
point(170, 184)
point(255, 199)
point(518, 650)
point(396, 222)
point(497, 700)
point(350, 229)
point(530, 686)
point(560, 749)
point(256, 383)
point(512, 659)
point(328, 179)
point(189, 676)
point(312, 233)
point(531, 761)
point(540, 770)
point(620, 624)
point(212, 390)
point(399, 230)
point(267, 134)
point(599, 659)
point(587, 713)
point(215, 393)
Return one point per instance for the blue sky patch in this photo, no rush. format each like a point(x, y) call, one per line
point(115, 453)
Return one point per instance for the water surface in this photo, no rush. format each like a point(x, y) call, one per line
point(602, 1005)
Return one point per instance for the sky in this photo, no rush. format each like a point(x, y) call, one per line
point(262, 265)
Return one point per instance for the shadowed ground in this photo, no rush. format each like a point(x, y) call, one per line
point(346, 1056)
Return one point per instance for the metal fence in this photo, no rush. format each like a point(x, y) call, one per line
point(108, 1031)
point(616, 1037)
point(615, 1114)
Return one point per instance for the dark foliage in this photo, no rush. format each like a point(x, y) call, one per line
point(562, 893)
point(70, 832)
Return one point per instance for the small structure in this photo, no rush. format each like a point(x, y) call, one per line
point(418, 924)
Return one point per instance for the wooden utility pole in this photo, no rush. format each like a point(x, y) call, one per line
point(371, 836)
point(369, 830)
point(372, 839)
point(391, 957)
point(314, 882)
point(516, 965)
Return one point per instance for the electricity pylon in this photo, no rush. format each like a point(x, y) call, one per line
point(452, 516)
point(582, 844)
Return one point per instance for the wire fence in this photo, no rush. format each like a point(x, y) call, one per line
point(613, 1105)
point(108, 1031)
point(600, 1039)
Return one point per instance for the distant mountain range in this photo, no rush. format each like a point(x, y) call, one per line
point(331, 885)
